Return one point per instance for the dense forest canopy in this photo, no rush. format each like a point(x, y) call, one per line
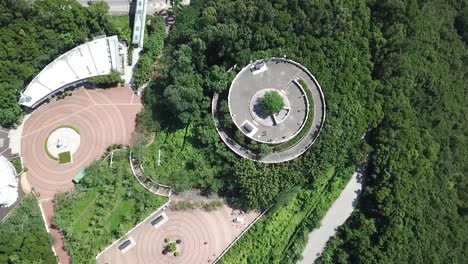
point(394, 69)
point(209, 38)
point(414, 208)
point(23, 237)
point(34, 33)
point(214, 35)
point(397, 68)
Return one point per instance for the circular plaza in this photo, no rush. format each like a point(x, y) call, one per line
point(276, 104)
point(79, 128)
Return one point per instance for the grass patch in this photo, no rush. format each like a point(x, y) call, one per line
point(47, 150)
point(105, 205)
point(82, 222)
point(123, 210)
point(64, 157)
point(71, 127)
point(84, 202)
point(273, 238)
point(182, 164)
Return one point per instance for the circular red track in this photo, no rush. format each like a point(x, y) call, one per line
point(102, 117)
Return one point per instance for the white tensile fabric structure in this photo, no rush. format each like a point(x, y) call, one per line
point(8, 183)
point(94, 58)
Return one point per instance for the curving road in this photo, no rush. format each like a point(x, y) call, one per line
point(335, 217)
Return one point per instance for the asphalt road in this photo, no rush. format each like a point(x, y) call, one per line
point(123, 6)
point(335, 217)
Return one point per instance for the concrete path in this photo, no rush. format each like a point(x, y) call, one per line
point(48, 211)
point(335, 217)
point(308, 139)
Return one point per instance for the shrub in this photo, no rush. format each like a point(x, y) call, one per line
point(172, 247)
point(183, 205)
point(109, 80)
point(17, 164)
point(154, 45)
point(211, 206)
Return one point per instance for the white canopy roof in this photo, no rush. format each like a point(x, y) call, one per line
point(94, 58)
point(8, 183)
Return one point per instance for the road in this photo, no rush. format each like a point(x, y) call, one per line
point(119, 7)
point(335, 217)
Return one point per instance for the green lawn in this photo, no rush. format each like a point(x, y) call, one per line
point(104, 206)
point(181, 163)
point(122, 210)
point(64, 157)
point(82, 221)
point(82, 204)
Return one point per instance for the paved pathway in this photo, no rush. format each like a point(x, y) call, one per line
point(204, 237)
point(335, 217)
point(48, 207)
point(300, 147)
point(103, 118)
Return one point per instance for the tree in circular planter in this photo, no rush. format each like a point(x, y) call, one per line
point(272, 103)
point(172, 247)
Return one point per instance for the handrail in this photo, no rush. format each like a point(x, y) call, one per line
point(147, 180)
point(239, 236)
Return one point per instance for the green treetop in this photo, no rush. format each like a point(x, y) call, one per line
point(272, 102)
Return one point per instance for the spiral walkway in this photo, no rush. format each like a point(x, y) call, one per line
point(102, 117)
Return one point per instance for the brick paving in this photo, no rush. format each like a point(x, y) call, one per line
point(48, 207)
point(103, 117)
point(204, 235)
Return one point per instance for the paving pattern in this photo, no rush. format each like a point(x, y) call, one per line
point(103, 118)
point(204, 236)
point(48, 208)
